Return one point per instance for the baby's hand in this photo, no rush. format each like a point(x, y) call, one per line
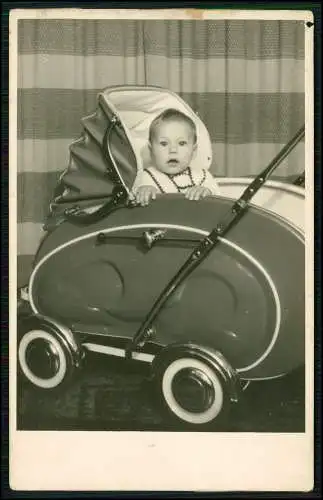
point(197, 192)
point(144, 194)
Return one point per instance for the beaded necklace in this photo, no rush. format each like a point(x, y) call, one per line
point(172, 179)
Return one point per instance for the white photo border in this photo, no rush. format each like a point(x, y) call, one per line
point(152, 461)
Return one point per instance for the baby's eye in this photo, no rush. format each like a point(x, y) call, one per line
point(163, 143)
point(182, 143)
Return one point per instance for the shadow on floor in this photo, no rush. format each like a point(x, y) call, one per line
point(110, 394)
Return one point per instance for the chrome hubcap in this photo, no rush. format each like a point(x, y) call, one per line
point(42, 358)
point(193, 390)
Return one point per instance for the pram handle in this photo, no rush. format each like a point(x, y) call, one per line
point(237, 210)
point(256, 184)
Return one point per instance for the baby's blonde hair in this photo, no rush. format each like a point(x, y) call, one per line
point(171, 115)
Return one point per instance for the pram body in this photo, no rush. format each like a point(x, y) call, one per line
point(237, 315)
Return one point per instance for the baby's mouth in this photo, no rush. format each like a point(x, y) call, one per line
point(173, 161)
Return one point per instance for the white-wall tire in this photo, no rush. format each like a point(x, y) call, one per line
point(212, 392)
point(60, 352)
point(205, 416)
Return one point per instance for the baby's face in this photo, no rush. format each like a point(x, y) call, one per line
point(173, 147)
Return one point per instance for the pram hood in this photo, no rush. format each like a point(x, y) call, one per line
point(90, 176)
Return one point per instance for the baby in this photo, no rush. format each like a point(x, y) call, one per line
point(172, 144)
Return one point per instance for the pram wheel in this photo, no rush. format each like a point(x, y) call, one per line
point(46, 355)
point(196, 386)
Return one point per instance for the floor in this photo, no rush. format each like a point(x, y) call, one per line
point(110, 394)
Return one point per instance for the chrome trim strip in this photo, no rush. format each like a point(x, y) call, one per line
point(114, 351)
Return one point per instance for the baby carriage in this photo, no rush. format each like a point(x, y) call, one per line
point(209, 294)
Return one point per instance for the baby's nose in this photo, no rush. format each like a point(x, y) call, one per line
point(173, 148)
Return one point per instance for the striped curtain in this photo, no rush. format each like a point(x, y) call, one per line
point(245, 79)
